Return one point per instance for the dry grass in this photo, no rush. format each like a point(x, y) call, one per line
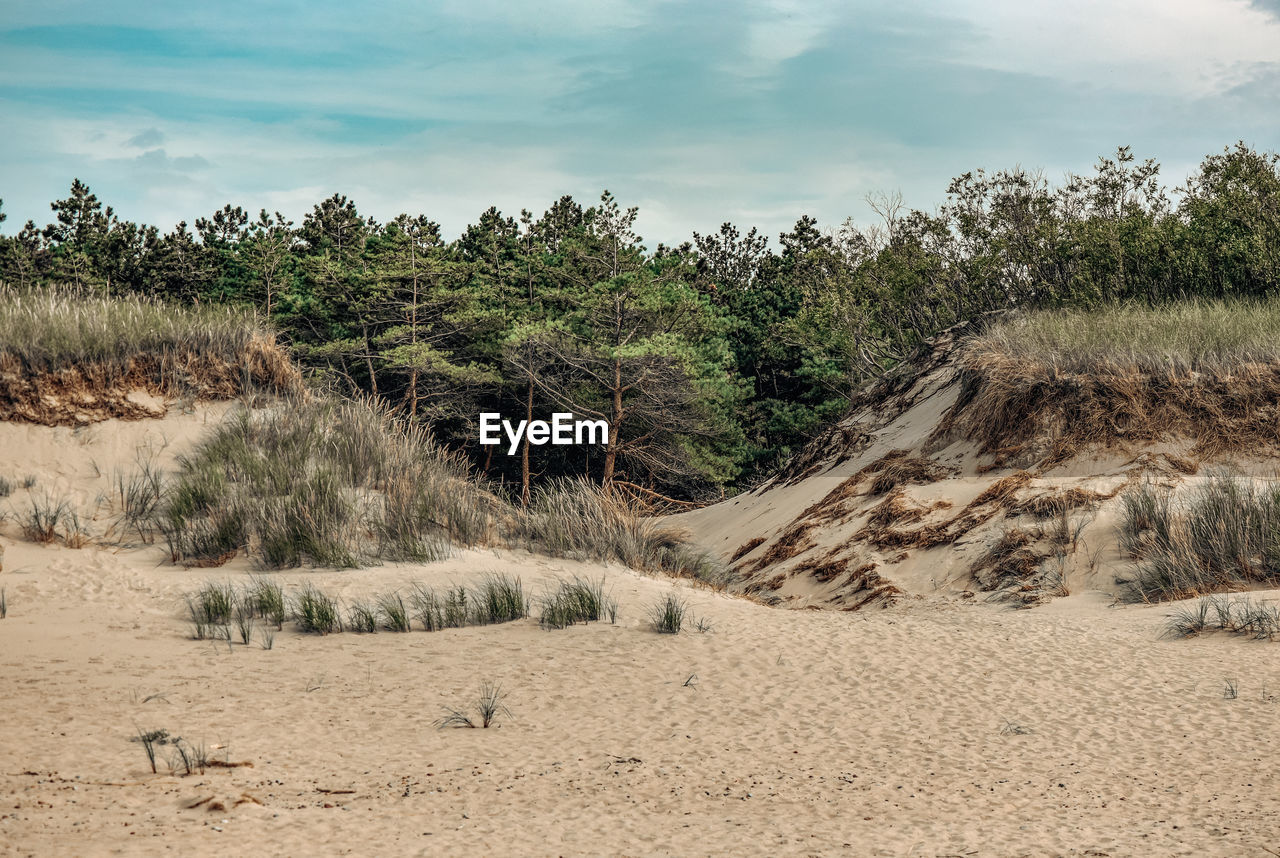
point(1218, 536)
point(1208, 371)
point(69, 356)
point(576, 519)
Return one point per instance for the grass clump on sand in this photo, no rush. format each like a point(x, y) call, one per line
point(316, 612)
point(1219, 536)
point(668, 615)
point(1239, 615)
point(1194, 369)
point(577, 601)
point(488, 706)
point(211, 608)
point(577, 519)
point(326, 483)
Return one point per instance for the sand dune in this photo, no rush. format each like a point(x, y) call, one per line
point(933, 726)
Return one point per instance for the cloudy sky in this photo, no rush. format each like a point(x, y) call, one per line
point(698, 112)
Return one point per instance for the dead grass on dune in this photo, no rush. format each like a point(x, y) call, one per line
point(1060, 381)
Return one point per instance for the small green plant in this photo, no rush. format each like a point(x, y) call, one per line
point(1230, 690)
point(427, 608)
point(488, 707)
point(29, 481)
point(576, 601)
point(6, 487)
point(500, 599)
point(394, 613)
point(244, 619)
point(149, 740)
point(211, 608)
point(668, 615)
point(456, 614)
point(42, 520)
point(137, 495)
point(192, 759)
point(4, 605)
point(362, 617)
point(315, 611)
point(268, 601)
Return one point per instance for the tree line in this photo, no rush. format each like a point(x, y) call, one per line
point(710, 361)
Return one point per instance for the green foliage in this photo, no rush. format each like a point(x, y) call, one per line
point(710, 361)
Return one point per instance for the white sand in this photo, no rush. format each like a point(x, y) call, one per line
point(934, 727)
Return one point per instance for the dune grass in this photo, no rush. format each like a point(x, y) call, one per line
point(1235, 614)
point(1166, 340)
point(1221, 535)
point(578, 600)
point(49, 329)
point(1064, 379)
point(668, 616)
point(325, 483)
point(577, 519)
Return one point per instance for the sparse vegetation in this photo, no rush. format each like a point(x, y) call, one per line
point(577, 519)
point(6, 487)
point(137, 497)
point(362, 616)
point(394, 613)
point(668, 615)
point(315, 611)
point(326, 483)
point(576, 601)
point(1239, 615)
point(45, 515)
point(488, 706)
point(1216, 537)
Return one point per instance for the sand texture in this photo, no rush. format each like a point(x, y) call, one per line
point(929, 724)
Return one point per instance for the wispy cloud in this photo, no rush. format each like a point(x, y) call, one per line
point(755, 112)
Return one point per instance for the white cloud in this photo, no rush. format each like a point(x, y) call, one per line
point(1186, 48)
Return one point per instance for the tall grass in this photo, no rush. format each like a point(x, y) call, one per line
point(49, 329)
point(576, 519)
point(326, 483)
point(1174, 339)
point(577, 601)
point(1221, 535)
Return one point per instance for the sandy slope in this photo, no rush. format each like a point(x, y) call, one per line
point(932, 727)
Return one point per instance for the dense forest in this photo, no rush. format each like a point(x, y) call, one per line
point(711, 361)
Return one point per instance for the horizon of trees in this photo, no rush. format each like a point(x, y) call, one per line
point(711, 361)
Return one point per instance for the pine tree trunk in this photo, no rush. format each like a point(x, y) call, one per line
point(524, 463)
point(611, 453)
